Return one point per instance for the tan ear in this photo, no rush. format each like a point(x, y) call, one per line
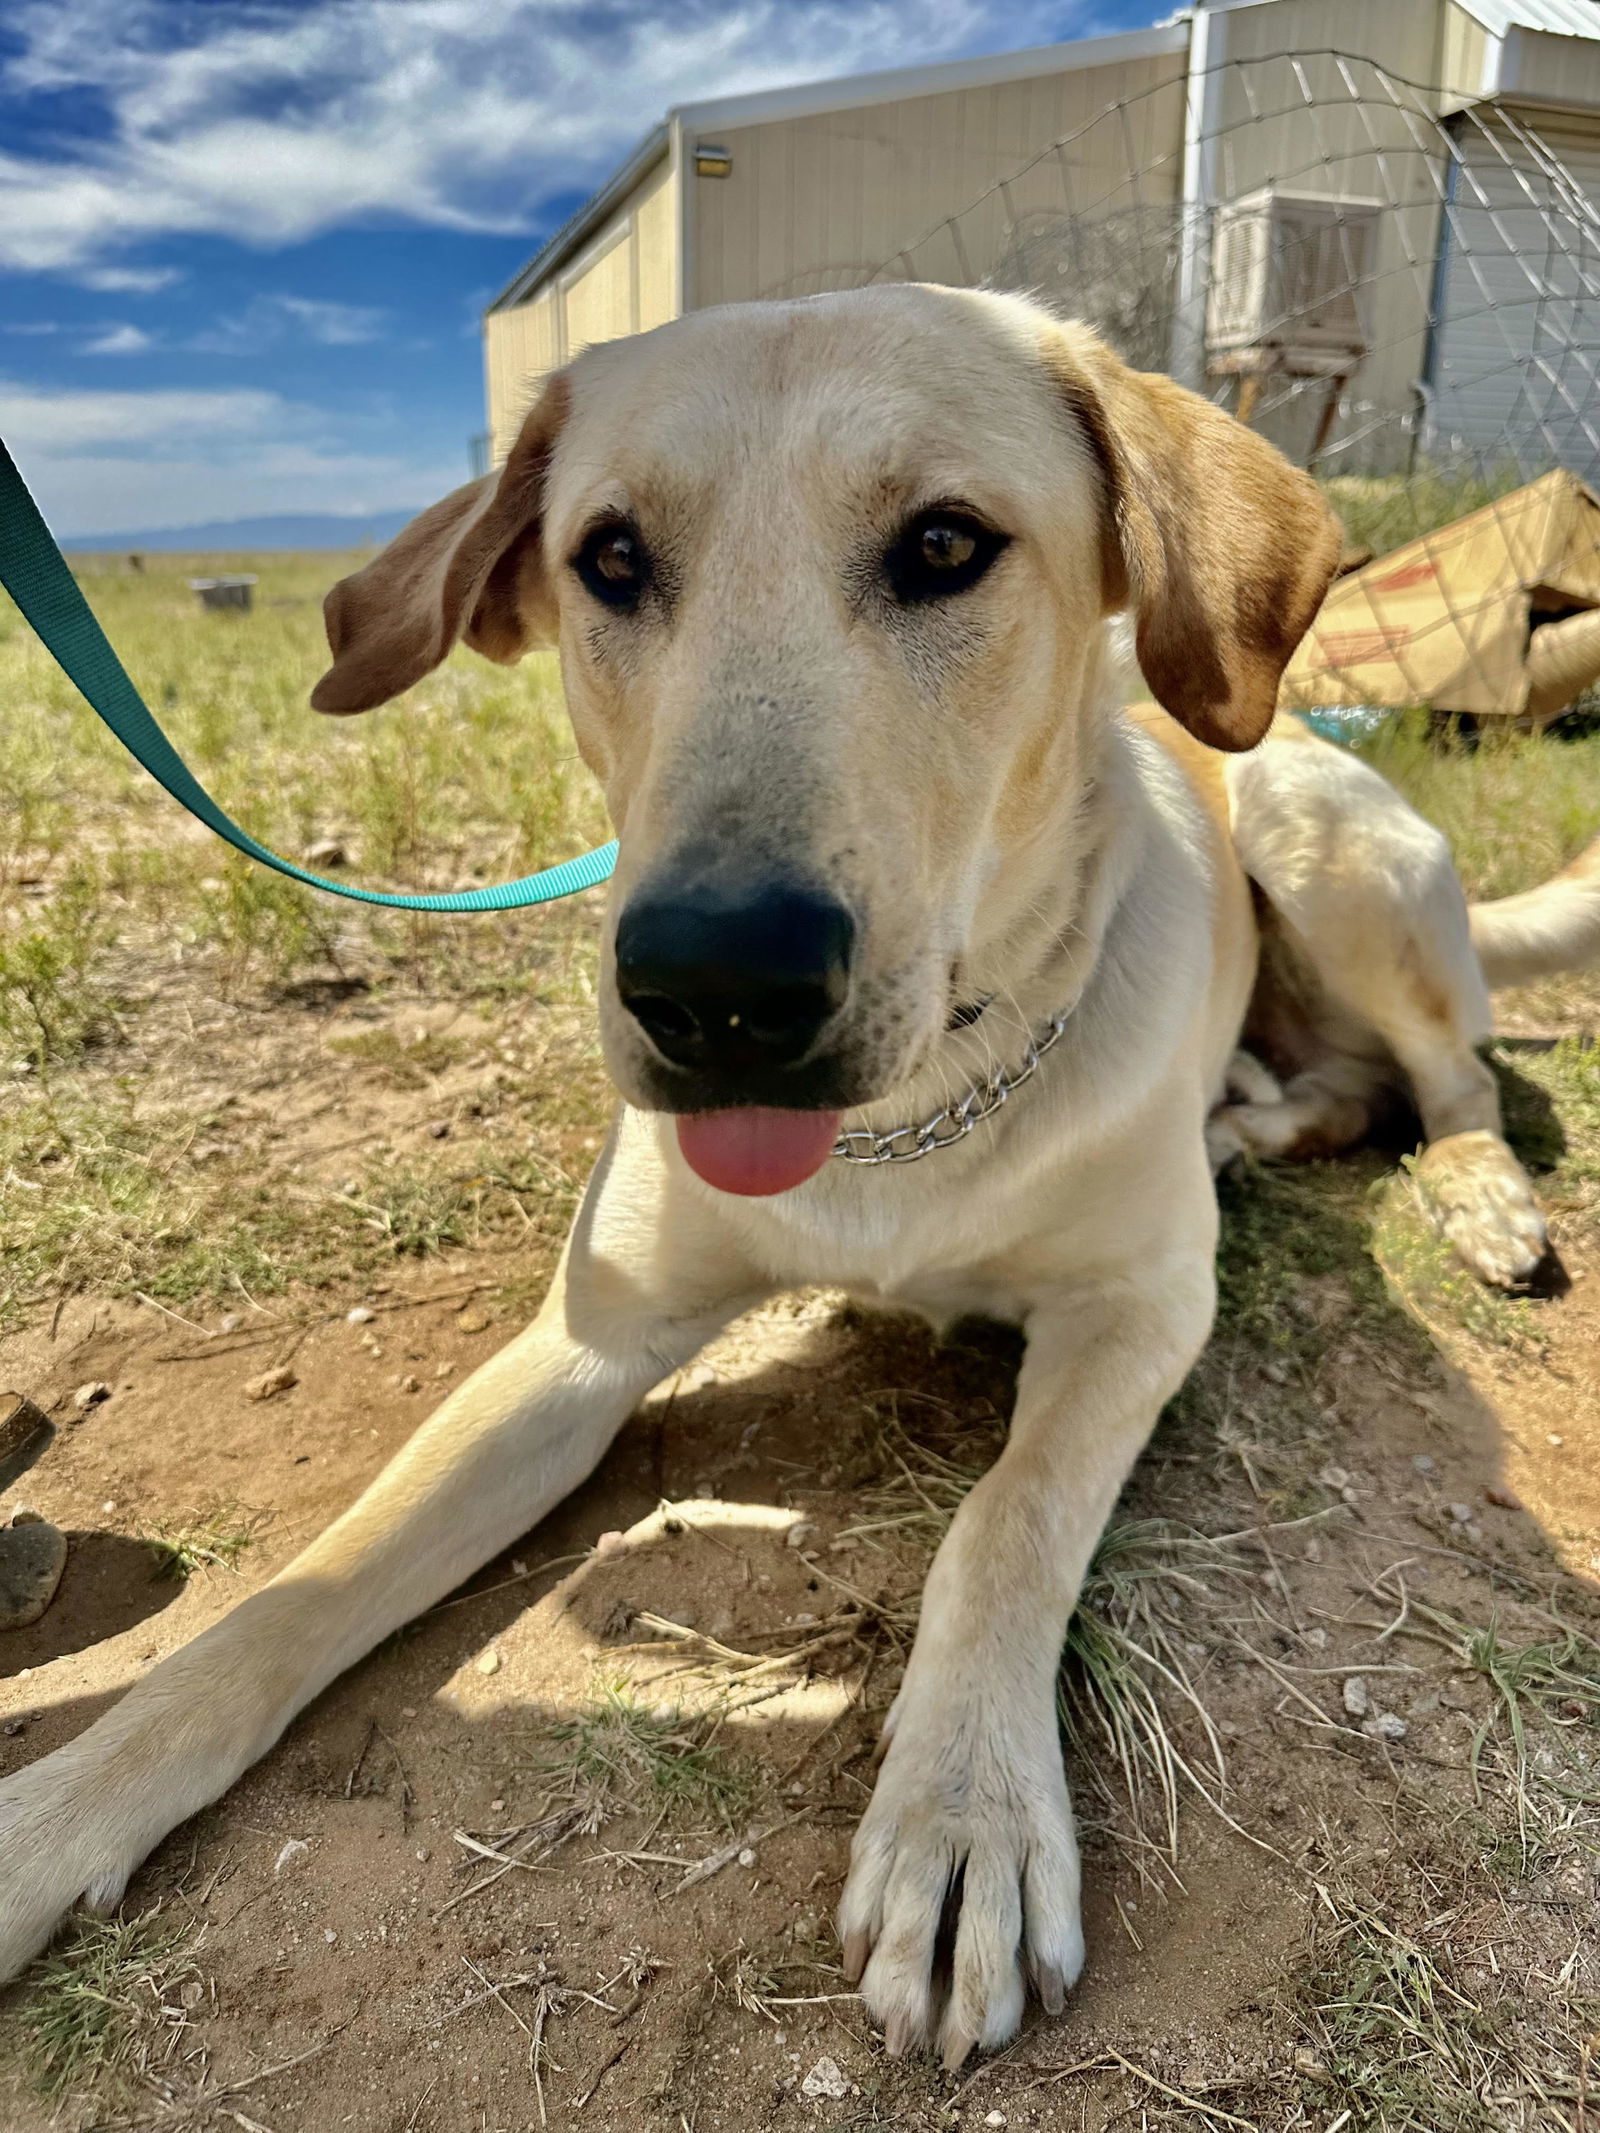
point(1223, 549)
point(471, 567)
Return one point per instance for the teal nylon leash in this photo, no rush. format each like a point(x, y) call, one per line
point(34, 572)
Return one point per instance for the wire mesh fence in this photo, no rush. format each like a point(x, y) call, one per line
point(1401, 288)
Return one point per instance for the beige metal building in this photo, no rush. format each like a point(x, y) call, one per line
point(1377, 212)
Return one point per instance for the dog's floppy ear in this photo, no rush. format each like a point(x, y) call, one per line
point(1221, 547)
point(472, 567)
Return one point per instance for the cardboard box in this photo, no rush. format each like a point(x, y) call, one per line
point(1493, 615)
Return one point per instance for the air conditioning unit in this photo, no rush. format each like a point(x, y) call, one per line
point(1288, 275)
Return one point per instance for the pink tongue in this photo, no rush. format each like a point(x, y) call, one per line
point(754, 1151)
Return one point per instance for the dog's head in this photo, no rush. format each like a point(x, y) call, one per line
point(829, 581)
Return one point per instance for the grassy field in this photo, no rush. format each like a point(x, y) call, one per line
point(222, 1095)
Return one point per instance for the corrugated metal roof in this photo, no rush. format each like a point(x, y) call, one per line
point(1561, 18)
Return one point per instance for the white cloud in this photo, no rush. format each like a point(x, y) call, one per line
point(34, 418)
point(119, 341)
point(129, 281)
point(270, 318)
point(268, 125)
point(109, 462)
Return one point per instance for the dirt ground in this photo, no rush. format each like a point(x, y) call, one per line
point(1385, 1918)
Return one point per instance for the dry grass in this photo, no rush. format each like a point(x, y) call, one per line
point(105, 2006)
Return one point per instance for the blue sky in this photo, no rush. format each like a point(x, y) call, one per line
point(244, 243)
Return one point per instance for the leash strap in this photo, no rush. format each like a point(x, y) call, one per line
point(35, 573)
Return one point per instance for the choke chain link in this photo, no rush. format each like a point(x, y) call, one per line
point(909, 1144)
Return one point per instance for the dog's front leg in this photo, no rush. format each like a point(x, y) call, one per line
point(971, 1813)
point(515, 1438)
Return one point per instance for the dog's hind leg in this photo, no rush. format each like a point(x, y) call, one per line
point(1365, 898)
point(503, 1449)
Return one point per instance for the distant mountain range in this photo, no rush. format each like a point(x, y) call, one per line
point(307, 529)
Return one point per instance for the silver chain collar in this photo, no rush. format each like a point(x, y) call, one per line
point(909, 1144)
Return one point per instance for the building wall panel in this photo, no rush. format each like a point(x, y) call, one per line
point(824, 201)
point(520, 347)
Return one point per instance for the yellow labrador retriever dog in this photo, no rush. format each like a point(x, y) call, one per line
point(834, 585)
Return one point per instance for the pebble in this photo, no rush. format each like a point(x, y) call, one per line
point(410, 1383)
point(1503, 1499)
point(1423, 1464)
point(995, 2118)
point(1555, 1440)
point(825, 2079)
point(1386, 1726)
point(326, 852)
point(329, 1935)
point(359, 1316)
point(229, 1322)
point(801, 1534)
point(489, 1662)
point(270, 1383)
point(1461, 1513)
point(472, 1320)
point(439, 1130)
point(91, 1395)
point(293, 1852)
point(1356, 1700)
point(747, 1857)
point(423, 1854)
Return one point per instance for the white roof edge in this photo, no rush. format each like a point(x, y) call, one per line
point(851, 92)
point(1554, 18)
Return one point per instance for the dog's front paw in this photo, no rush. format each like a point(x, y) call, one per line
point(963, 1871)
point(58, 1847)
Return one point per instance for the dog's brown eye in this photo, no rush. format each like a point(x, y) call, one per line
point(614, 564)
point(941, 552)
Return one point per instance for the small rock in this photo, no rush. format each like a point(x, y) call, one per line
point(1423, 1464)
point(1386, 1726)
point(408, 1710)
point(229, 1322)
point(423, 1854)
point(489, 1662)
point(360, 1316)
point(270, 1383)
point(497, 1807)
point(995, 2118)
point(326, 852)
point(1555, 1440)
point(26, 1515)
point(1308, 2064)
point(800, 1535)
point(444, 1370)
point(472, 1320)
point(747, 1857)
point(1503, 1499)
point(1461, 1513)
point(825, 2079)
point(329, 1935)
point(1356, 1700)
point(1334, 1477)
point(32, 1558)
point(519, 1568)
point(91, 1395)
point(1317, 1639)
point(410, 1384)
point(293, 1852)
point(192, 1992)
point(439, 1130)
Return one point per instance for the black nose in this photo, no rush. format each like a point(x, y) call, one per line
point(733, 977)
